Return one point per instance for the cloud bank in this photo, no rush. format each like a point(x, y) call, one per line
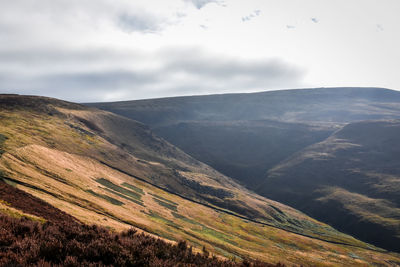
point(108, 75)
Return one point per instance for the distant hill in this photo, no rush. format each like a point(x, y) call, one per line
point(101, 168)
point(249, 136)
point(339, 105)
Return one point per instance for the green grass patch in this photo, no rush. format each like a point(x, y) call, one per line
point(205, 231)
point(185, 219)
point(227, 254)
point(158, 218)
point(134, 188)
point(165, 235)
point(166, 204)
point(109, 199)
point(7, 181)
point(119, 189)
point(20, 214)
point(139, 202)
point(164, 199)
point(354, 256)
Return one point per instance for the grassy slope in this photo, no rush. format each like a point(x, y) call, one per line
point(351, 180)
point(61, 153)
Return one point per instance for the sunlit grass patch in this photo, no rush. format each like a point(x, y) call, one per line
point(206, 231)
point(15, 213)
point(158, 218)
point(227, 254)
point(166, 204)
point(118, 188)
point(164, 199)
point(139, 202)
point(109, 199)
point(185, 219)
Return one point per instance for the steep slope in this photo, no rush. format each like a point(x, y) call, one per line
point(350, 180)
point(108, 170)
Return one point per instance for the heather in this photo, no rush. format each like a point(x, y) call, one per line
point(25, 243)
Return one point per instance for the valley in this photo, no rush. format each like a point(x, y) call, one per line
point(329, 152)
point(104, 169)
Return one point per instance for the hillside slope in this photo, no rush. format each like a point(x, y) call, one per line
point(350, 180)
point(34, 233)
point(34, 125)
point(244, 150)
point(247, 135)
point(105, 169)
point(244, 135)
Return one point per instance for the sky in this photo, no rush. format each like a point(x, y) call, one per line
point(109, 50)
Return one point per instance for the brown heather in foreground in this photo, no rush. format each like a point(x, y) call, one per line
point(25, 243)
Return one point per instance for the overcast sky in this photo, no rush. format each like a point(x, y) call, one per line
point(105, 50)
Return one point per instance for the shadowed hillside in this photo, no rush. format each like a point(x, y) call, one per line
point(244, 135)
point(251, 136)
point(350, 180)
point(244, 150)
